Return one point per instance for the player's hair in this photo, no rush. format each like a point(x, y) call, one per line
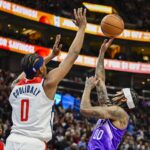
point(28, 62)
point(131, 112)
point(134, 97)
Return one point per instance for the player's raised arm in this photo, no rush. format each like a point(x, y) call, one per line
point(100, 71)
point(56, 75)
point(100, 112)
point(100, 74)
point(55, 52)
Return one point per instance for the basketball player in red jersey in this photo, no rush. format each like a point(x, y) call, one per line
point(32, 99)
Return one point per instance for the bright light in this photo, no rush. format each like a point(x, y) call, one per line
point(148, 80)
point(146, 58)
point(98, 8)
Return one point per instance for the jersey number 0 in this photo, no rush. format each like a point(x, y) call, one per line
point(24, 109)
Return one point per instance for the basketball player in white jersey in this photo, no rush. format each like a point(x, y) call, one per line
point(32, 99)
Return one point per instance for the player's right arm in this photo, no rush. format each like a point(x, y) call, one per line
point(114, 113)
point(100, 74)
point(57, 74)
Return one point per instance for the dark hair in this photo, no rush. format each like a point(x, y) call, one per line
point(134, 97)
point(27, 62)
point(132, 112)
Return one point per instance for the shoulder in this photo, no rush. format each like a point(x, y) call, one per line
point(119, 117)
point(117, 112)
point(51, 78)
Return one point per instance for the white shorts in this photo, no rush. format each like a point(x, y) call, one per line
point(20, 142)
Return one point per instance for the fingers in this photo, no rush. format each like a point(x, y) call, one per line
point(84, 12)
point(106, 44)
point(91, 82)
point(60, 46)
point(58, 37)
point(93, 79)
point(74, 21)
point(80, 17)
point(75, 14)
point(110, 41)
point(105, 41)
point(80, 13)
point(96, 82)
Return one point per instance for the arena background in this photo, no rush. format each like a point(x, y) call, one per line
point(28, 26)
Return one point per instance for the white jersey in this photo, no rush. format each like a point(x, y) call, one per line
point(32, 110)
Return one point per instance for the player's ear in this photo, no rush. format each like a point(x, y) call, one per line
point(41, 70)
point(123, 99)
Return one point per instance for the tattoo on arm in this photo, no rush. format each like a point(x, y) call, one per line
point(99, 114)
point(100, 71)
point(109, 112)
point(116, 113)
point(101, 87)
point(102, 93)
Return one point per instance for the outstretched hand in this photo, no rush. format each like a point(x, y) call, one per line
point(106, 44)
point(57, 46)
point(80, 18)
point(91, 82)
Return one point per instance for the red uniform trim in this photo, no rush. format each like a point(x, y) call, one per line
point(46, 146)
point(1, 145)
point(32, 81)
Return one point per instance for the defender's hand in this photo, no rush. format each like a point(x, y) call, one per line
point(80, 18)
point(91, 82)
point(106, 44)
point(57, 46)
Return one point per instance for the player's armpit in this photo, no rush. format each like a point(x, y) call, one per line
point(117, 113)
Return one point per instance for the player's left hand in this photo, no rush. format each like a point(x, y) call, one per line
point(106, 44)
point(80, 18)
point(91, 82)
point(57, 46)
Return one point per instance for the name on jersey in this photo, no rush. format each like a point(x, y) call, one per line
point(26, 89)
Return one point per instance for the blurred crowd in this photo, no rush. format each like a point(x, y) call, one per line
point(71, 130)
point(136, 12)
point(133, 12)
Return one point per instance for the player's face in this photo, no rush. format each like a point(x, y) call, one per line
point(119, 98)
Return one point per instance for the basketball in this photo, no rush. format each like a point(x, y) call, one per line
point(112, 25)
